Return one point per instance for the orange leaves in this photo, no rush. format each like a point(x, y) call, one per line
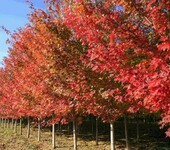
point(93, 59)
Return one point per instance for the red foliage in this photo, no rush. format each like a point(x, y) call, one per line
point(116, 60)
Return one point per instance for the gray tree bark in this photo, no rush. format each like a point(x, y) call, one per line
point(3, 122)
point(74, 134)
point(15, 126)
point(28, 127)
point(39, 129)
point(20, 126)
point(53, 137)
point(12, 124)
point(8, 123)
point(112, 138)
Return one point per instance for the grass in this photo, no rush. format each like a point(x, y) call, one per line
point(9, 140)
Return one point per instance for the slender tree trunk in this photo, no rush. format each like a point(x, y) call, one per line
point(20, 126)
point(53, 136)
point(126, 133)
point(8, 123)
point(1, 123)
point(28, 127)
point(96, 131)
point(60, 129)
point(137, 130)
point(112, 136)
point(39, 129)
point(68, 128)
point(74, 134)
point(12, 126)
point(5, 122)
point(15, 128)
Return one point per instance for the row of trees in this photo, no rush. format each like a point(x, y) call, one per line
point(105, 58)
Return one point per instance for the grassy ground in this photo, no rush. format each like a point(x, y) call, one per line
point(13, 141)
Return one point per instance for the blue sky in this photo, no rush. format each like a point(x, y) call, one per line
point(13, 14)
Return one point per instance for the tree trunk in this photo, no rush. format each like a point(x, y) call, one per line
point(96, 131)
point(20, 126)
point(15, 128)
point(68, 128)
point(39, 129)
point(112, 134)
point(28, 127)
point(137, 130)
point(8, 123)
point(74, 134)
point(60, 129)
point(12, 124)
point(5, 122)
point(126, 133)
point(1, 122)
point(53, 136)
